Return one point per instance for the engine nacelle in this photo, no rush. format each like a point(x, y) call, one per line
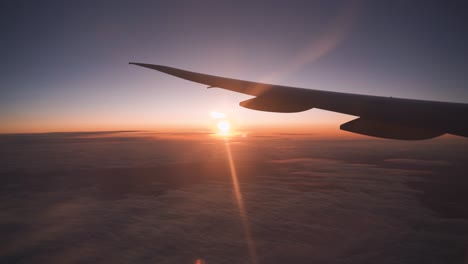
point(382, 129)
point(276, 104)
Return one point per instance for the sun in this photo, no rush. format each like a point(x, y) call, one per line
point(224, 127)
point(222, 123)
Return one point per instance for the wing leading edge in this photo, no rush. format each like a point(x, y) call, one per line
point(384, 117)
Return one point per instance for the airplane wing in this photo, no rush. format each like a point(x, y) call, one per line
point(384, 117)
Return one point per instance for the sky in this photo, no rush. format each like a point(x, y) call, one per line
point(65, 63)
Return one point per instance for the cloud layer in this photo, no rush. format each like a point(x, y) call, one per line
point(149, 199)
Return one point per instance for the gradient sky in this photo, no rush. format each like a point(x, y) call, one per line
point(65, 63)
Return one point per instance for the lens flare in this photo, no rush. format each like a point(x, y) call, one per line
point(217, 115)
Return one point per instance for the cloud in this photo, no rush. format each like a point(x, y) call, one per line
point(419, 162)
point(171, 201)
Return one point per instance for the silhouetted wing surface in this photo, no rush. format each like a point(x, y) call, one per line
point(384, 117)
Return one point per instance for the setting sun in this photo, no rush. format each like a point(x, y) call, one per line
point(222, 124)
point(224, 127)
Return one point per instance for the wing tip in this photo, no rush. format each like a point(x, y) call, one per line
point(142, 64)
point(160, 68)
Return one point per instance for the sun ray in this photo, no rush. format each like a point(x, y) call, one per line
point(240, 204)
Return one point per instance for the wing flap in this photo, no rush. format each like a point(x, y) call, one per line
point(389, 130)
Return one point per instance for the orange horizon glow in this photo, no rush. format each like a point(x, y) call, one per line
point(319, 129)
point(182, 133)
point(310, 129)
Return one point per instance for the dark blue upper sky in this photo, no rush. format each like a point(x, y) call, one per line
point(65, 62)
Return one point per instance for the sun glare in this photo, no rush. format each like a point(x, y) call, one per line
point(224, 127)
point(222, 123)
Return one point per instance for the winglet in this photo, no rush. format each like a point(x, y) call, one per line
point(150, 66)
